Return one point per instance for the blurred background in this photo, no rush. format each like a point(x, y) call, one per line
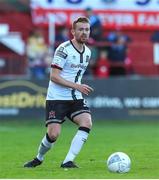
point(124, 67)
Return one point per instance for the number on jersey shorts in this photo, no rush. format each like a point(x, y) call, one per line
point(57, 110)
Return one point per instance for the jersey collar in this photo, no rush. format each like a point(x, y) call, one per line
point(77, 49)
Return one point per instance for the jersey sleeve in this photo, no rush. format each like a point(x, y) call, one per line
point(59, 58)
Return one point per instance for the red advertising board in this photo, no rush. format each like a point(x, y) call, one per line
point(110, 19)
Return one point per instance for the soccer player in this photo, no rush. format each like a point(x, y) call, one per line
point(64, 96)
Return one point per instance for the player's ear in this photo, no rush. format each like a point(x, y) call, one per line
point(72, 31)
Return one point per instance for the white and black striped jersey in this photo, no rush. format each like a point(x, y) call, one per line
point(72, 64)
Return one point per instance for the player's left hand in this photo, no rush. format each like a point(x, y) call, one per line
point(85, 89)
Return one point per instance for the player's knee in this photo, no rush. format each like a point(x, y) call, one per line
point(53, 135)
point(54, 131)
point(87, 123)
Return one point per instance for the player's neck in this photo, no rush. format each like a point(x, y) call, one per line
point(79, 46)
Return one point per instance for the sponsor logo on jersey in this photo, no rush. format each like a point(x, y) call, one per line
point(78, 66)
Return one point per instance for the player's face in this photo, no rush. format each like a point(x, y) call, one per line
point(81, 32)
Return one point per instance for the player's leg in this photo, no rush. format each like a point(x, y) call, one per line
point(48, 140)
point(85, 123)
point(54, 118)
point(46, 144)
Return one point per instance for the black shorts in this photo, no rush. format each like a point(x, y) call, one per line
point(57, 110)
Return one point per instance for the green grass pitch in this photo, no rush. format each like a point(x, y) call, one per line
point(19, 141)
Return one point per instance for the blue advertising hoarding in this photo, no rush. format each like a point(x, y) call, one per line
point(113, 98)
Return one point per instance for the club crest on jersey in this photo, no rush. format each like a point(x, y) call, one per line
point(87, 58)
point(73, 57)
point(51, 114)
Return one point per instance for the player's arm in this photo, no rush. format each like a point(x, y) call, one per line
point(55, 77)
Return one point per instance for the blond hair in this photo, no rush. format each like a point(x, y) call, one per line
point(81, 20)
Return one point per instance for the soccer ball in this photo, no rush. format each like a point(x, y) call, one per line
point(119, 162)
